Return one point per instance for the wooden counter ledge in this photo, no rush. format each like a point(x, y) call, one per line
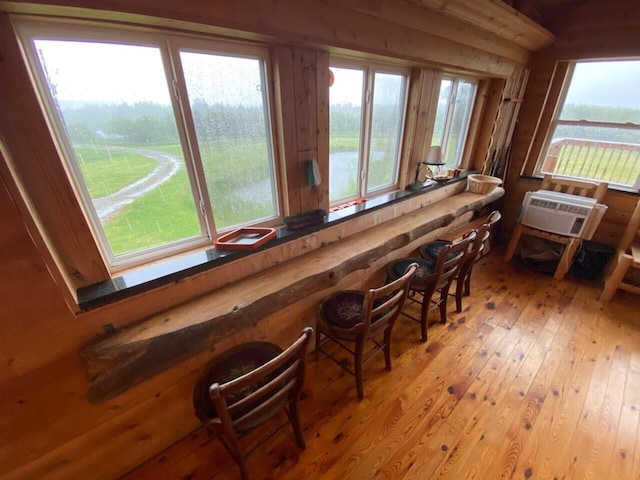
point(120, 360)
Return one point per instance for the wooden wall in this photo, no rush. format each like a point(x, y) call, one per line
point(48, 428)
point(600, 29)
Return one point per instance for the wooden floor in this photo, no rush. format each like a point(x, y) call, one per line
point(534, 379)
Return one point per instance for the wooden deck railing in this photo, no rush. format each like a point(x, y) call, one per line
point(608, 161)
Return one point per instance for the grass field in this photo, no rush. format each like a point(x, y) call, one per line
point(108, 170)
point(237, 176)
point(168, 212)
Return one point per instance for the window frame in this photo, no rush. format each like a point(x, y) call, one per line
point(555, 121)
point(168, 45)
point(451, 103)
point(370, 70)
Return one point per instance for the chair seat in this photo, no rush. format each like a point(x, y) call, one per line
point(425, 268)
point(344, 309)
point(230, 365)
point(431, 250)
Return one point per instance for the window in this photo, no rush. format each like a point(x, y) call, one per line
point(453, 115)
point(168, 141)
point(595, 133)
point(367, 110)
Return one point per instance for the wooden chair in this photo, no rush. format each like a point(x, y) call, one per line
point(463, 279)
point(432, 277)
point(628, 255)
point(595, 190)
point(358, 317)
point(248, 385)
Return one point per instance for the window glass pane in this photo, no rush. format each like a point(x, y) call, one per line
point(386, 129)
point(581, 146)
point(604, 92)
point(114, 106)
point(441, 113)
point(597, 153)
point(228, 101)
point(345, 123)
point(459, 123)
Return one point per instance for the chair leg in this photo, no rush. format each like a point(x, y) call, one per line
point(444, 293)
point(233, 446)
point(318, 335)
point(424, 318)
point(459, 291)
point(359, 350)
point(467, 282)
point(566, 259)
point(294, 416)
point(387, 347)
point(513, 243)
point(614, 280)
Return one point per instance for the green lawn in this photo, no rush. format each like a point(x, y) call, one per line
point(108, 170)
point(168, 212)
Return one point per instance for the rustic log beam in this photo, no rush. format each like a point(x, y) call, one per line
point(136, 353)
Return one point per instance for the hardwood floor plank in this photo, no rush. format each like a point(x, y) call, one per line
point(484, 433)
point(536, 436)
point(535, 378)
point(625, 445)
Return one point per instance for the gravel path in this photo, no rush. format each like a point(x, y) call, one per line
point(166, 167)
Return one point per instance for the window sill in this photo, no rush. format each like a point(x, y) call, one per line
point(170, 271)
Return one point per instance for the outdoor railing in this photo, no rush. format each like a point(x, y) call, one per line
point(617, 163)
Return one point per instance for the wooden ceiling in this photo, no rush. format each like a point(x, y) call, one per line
point(541, 11)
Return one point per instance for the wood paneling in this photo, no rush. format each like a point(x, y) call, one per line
point(496, 16)
point(34, 156)
point(534, 379)
point(313, 23)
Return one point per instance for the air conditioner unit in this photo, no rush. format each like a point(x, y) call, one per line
point(560, 213)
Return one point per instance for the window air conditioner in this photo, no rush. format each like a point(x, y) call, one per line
point(559, 213)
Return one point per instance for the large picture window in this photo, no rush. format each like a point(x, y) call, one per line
point(595, 133)
point(167, 140)
point(367, 110)
point(453, 115)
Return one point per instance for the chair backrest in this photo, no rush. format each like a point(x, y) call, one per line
point(451, 257)
point(250, 399)
point(583, 188)
point(484, 232)
point(382, 305)
point(631, 234)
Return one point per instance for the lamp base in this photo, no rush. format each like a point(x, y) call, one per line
point(417, 186)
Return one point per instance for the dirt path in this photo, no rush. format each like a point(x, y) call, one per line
point(166, 167)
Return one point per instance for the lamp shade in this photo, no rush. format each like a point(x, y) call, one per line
point(434, 157)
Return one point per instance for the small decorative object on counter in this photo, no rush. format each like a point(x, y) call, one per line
point(245, 238)
point(296, 222)
point(482, 184)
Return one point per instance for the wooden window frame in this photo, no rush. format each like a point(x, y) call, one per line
point(455, 81)
point(369, 70)
point(555, 121)
point(169, 46)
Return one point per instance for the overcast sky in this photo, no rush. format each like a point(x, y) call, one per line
point(112, 73)
point(615, 84)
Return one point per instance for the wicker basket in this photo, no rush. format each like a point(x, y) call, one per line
point(482, 184)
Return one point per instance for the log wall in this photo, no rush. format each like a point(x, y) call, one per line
point(49, 428)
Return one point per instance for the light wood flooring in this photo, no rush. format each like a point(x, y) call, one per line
point(534, 379)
